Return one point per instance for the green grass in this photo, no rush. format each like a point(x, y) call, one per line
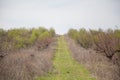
point(65, 67)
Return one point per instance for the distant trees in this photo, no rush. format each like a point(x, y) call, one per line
point(21, 38)
point(82, 37)
point(52, 32)
point(107, 42)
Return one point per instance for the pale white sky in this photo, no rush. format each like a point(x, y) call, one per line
point(60, 14)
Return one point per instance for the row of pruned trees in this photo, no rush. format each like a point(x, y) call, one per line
point(107, 41)
point(15, 39)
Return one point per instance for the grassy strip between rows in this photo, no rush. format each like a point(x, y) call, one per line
point(65, 68)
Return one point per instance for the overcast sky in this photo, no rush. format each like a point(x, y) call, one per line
point(60, 14)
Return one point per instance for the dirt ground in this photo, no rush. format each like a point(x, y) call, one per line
point(99, 66)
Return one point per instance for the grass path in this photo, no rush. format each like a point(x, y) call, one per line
point(65, 68)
